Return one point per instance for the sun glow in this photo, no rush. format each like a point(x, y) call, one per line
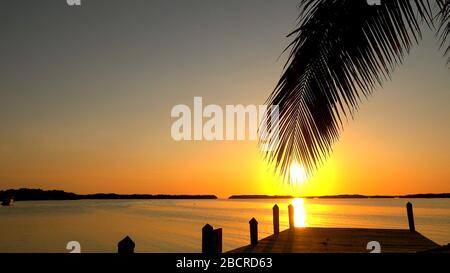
point(297, 173)
point(299, 212)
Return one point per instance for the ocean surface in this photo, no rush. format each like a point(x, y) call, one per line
point(175, 225)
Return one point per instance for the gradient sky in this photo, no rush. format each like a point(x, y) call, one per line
point(86, 94)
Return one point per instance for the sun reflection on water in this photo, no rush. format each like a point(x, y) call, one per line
point(299, 212)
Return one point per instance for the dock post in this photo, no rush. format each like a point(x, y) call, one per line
point(126, 246)
point(207, 239)
point(409, 209)
point(217, 240)
point(276, 219)
point(291, 216)
point(253, 231)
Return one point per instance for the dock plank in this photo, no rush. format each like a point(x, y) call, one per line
point(340, 240)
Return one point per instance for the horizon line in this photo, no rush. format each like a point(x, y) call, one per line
point(213, 196)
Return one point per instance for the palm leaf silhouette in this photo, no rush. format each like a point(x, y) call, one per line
point(342, 50)
point(444, 29)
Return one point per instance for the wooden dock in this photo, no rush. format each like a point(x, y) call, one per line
point(340, 240)
point(325, 240)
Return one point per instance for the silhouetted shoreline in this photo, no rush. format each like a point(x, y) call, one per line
point(40, 195)
point(343, 196)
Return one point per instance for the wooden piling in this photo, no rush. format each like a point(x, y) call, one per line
point(253, 231)
point(217, 240)
point(207, 236)
point(291, 216)
point(211, 240)
point(409, 209)
point(276, 219)
point(126, 246)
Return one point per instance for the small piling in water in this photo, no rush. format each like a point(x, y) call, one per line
point(126, 246)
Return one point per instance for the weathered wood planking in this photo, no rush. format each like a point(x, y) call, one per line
point(338, 240)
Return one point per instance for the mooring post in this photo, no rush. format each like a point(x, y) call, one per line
point(291, 216)
point(217, 240)
point(276, 219)
point(409, 209)
point(253, 231)
point(207, 239)
point(126, 246)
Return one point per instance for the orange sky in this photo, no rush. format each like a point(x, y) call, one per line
point(98, 119)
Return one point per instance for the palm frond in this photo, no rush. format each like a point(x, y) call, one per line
point(444, 25)
point(342, 51)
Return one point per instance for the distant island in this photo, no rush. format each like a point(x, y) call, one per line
point(39, 194)
point(343, 196)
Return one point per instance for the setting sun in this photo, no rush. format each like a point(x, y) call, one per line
point(297, 173)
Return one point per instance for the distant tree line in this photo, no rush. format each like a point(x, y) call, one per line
point(39, 194)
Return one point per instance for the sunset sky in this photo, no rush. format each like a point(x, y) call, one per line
point(86, 94)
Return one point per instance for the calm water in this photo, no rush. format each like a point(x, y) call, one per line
point(175, 225)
